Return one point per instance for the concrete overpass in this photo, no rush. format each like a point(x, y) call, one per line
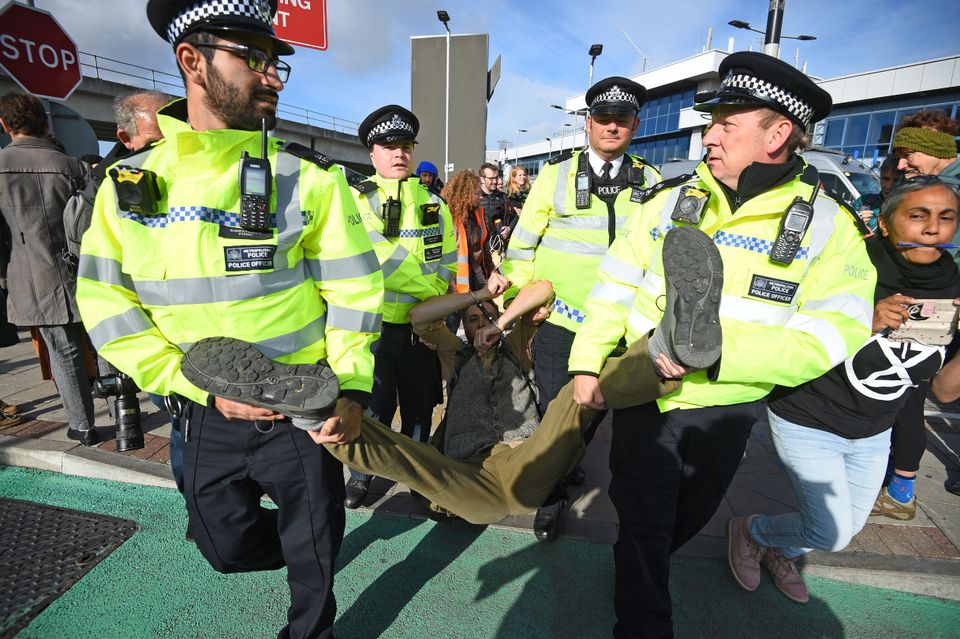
point(104, 79)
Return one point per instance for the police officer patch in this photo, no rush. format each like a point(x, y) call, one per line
point(773, 289)
point(248, 258)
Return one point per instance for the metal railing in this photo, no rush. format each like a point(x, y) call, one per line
point(103, 68)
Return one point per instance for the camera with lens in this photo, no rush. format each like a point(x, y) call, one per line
point(126, 408)
point(137, 189)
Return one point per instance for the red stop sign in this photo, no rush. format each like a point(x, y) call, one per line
point(38, 53)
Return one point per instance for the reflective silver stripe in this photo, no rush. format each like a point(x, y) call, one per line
point(445, 274)
point(519, 254)
point(429, 268)
point(344, 268)
point(652, 283)
point(560, 190)
point(825, 332)
point(620, 270)
point(105, 270)
point(289, 217)
point(210, 290)
point(586, 222)
point(824, 222)
point(406, 298)
point(525, 236)
point(374, 198)
point(294, 341)
point(638, 323)
point(449, 258)
point(463, 281)
point(755, 311)
point(616, 293)
point(395, 261)
point(462, 259)
point(350, 319)
point(856, 308)
point(572, 246)
point(130, 322)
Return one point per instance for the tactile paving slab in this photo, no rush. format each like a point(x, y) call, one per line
point(44, 550)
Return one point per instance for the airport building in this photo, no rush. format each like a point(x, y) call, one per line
point(867, 107)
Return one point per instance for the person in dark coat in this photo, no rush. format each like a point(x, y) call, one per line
point(36, 179)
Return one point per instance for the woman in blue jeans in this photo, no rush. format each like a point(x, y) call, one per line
point(833, 433)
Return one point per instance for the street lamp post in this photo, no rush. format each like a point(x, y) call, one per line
point(550, 152)
point(595, 50)
point(576, 115)
point(772, 37)
point(516, 159)
point(563, 136)
point(444, 17)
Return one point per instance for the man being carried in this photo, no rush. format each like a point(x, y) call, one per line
point(491, 472)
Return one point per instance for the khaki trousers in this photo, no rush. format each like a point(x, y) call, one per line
point(506, 480)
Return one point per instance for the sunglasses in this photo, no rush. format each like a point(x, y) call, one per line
point(257, 59)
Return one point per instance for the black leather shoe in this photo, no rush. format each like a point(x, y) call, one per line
point(577, 477)
point(356, 492)
point(87, 437)
point(546, 523)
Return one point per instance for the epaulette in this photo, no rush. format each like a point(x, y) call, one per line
point(638, 158)
point(308, 154)
point(566, 155)
point(846, 206)
point(367, 186)
point(649, 193)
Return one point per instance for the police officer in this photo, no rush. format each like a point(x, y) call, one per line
point(174, 255)
point(574, 211)
point(797, 292)
point(415, 242)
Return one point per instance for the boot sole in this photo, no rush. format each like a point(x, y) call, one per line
point(236, 370)
point(693, 272)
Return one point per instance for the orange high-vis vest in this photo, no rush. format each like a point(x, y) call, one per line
point(462, 284)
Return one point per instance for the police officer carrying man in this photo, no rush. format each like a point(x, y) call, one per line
point(415, 242)
point(575, 209)
point(797, 293)
point(196, 237)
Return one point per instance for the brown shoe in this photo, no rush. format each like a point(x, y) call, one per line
point(8, 410)
point(7, 422)
point(890, 507)
point(785, 575)
point(743, 553)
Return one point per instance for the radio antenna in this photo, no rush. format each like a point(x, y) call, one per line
point(263, 138)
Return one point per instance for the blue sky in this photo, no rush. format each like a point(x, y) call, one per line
point(543, 44)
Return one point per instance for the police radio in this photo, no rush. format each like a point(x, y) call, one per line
point(793, 226)
point(390, 214)
point(256, 180)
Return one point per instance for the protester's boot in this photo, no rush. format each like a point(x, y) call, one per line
point(689, 332)
point(236, 370)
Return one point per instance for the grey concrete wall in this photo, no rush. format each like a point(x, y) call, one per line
point(468, 98)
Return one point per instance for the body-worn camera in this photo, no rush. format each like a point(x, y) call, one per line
point(137, 189)
point(126, 408)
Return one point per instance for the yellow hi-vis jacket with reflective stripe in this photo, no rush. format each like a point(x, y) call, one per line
point(150, 285)
point(782, 325)
point(422, 260)
point(556, 241)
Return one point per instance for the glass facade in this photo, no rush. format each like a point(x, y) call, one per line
point(662, 114)
point(867, 130)
point(662, 149)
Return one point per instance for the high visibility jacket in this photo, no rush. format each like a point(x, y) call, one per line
point(421, 261)
point(782, 325)
point(462, 283)
point(556, 241)
point(150, 285)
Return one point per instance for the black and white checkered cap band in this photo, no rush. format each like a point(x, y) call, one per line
point(396, 124)
point(616, 94)
point(256, 9)
point(763, 89)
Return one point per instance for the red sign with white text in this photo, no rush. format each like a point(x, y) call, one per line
point(302, 23)
point(37, 52)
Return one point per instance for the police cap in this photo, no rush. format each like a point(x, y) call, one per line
point(615, 95)
point(749, 77)
point(391, 123)
point(173, 20)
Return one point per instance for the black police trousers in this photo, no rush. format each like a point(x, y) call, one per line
point(228, 467)
point(670, 472)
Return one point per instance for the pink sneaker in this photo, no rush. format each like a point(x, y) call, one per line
point(743, 553)
point(785, 575)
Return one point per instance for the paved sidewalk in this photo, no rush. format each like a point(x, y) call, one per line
point(921, 556)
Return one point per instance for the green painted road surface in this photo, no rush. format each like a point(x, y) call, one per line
point(402, 578)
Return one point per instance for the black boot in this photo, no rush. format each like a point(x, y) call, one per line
point(356, 490)
point(87, 437)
